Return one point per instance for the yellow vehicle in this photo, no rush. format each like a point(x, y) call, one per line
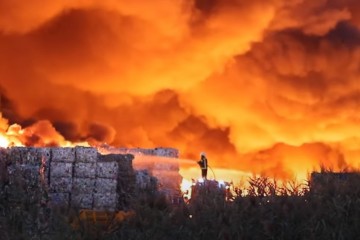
point(100, 220)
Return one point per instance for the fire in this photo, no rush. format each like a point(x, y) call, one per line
point(185, 188)
point(4, 142)
point(263, 87)
point(9, 135)
point(39, 134)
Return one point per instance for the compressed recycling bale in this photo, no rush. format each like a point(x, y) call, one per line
point(45, 154)
point(63, 154)
point(127, 183)
point(166, 152)
point(83, 201)
point(30, 156)
point(105, 201)
point(24, 184)
point(107, 170)
point(83, 185)
point(110, 157)
point(15, 155)
point(125, 163)
point(143, 180)
point(85, 170)
point(59, 199)
point(105, 185)
point(60, 185)
point(3, 153)
point(25, 175)
point(124, 160)
point(86, 154)
point(3, 166)
point(36, 156)
point(61, 169)
point(126, 189)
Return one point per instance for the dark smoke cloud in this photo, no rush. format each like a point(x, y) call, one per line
point(232, 78)
point(194, 135)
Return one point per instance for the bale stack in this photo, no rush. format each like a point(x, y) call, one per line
point(115, 181)
point(84, 177)
point(145, 181)
point(80, 177)
point(166, 152)
point(70, 177)
point(160, 163)
point(24, 180)
point(61, 175)
point(25, 173)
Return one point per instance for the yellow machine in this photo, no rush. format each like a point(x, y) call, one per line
point(101, 220)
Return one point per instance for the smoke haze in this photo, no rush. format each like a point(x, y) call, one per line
point(270, 87)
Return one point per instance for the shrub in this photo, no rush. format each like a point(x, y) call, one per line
point(267, 212)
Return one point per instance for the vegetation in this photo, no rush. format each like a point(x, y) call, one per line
point(266, 212)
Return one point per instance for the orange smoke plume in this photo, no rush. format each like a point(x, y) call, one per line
point(266, 87)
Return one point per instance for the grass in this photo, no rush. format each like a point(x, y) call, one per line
point(267, 212)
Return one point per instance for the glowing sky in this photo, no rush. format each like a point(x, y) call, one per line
point(264, 86)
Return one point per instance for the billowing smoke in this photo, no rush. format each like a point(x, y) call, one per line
point(270, 87)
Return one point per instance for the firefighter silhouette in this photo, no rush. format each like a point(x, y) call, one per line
point(203, 163)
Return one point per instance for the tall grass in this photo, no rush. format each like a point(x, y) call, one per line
point(267, 212)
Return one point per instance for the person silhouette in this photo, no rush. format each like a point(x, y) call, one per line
point(203, 163)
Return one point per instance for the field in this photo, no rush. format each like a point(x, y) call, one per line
point(266, 212)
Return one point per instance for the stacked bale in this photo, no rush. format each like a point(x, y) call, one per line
point(26, 182)
point(166, 152)
point(3, 167)
point(126, 181)
point(84, 177)
point(106, 184)
point(115, 169)
point(145, 181)
point(80, 177)
point(161, 164)
point(27, 171)
point(61, 174)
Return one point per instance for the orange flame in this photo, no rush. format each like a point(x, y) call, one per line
point(264, 87)
point(39, 134)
